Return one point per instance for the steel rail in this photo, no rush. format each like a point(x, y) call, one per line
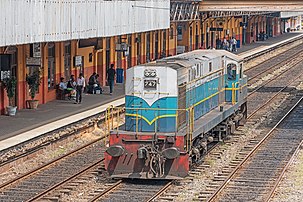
point(261, 86)
point(220, 189)
point(169, 184)
point(284, 171)
point(113, 187)
point(275, 95)
point(40, 195)
point(274, 65)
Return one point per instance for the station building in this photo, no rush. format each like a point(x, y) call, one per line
point(59, 38)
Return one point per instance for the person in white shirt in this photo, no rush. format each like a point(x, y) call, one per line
point(79, 88)
point(62, 84)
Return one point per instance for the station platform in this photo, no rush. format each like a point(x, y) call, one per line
point(262, 45)
point(28, 123)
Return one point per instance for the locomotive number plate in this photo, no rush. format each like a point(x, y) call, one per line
point(150, 84)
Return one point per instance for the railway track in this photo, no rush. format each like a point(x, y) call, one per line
point(38, 182)
point(255, 177)
point(132, 190)
point(274, 86)
point(278, 181)
point(269, 65)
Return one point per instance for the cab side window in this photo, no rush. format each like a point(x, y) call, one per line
point(231, 71)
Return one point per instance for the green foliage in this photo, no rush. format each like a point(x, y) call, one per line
point(33, 81)
point(10, 86)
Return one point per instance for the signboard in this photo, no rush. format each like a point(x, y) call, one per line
point(5, 74)
point(11, 50)
point(220, 29)
point(36, 50)
point(180, 49)
point(31, 61)
point(121, 47)
point(4, 66)
point(78, 61)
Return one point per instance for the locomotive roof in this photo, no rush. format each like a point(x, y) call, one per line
point(192, 58)
point(206, 55)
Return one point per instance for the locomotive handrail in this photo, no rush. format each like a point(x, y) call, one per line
point(233, 94)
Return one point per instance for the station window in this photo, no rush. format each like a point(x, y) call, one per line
point(90, 57)
point(231, 71)
point(51, 66)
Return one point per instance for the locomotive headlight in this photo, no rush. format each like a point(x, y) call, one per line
point(142, 153)
point(115, 150)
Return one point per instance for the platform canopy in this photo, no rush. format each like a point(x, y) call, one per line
point(251, 5)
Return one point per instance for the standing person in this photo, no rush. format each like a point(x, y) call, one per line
point(234, 45)
point(225, 44)
point(230, 48)
point(218, 43)
point(111, 78)
point(79, 88)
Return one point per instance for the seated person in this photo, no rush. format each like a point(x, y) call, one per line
point(91, 83)
point(63, 86)
point(97, 86)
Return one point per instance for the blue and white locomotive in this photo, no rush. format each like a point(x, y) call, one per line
point(174, 108)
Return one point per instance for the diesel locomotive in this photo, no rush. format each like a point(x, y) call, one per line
point(174, 108)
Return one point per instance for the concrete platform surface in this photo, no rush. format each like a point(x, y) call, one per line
point(28, 119)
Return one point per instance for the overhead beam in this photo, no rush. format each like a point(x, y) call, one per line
point(251, 5)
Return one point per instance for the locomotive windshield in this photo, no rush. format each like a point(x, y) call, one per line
point(231, 71)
